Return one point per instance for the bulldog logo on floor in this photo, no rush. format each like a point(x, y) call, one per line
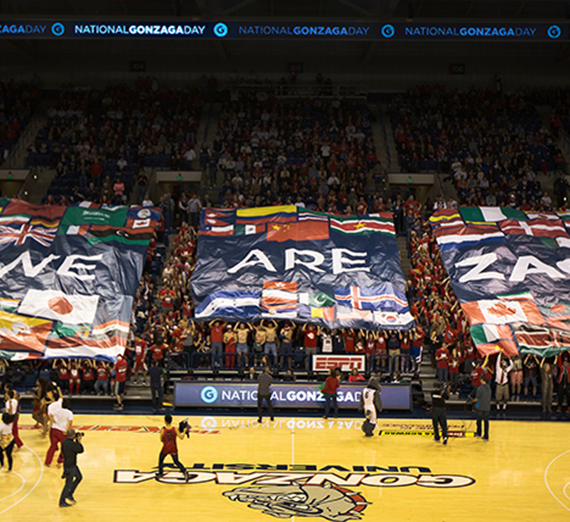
point(330, 503)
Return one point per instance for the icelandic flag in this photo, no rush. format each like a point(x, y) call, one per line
point(384, 297)
point(230, 304)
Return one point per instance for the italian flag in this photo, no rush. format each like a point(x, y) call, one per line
point(491, 214)
point(362, 225)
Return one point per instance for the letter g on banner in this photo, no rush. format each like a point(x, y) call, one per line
point(220, 30)
point(209, 394)
point(554, 32)
point(387, 31)
point(58, 29)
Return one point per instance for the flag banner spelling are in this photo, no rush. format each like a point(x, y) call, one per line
point(291, 263)
point(68, 277)
point(510, 271)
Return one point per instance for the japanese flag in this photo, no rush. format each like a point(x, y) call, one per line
point(55, 305)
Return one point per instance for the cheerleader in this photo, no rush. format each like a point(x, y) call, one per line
point(12, 407)
point(74, 377)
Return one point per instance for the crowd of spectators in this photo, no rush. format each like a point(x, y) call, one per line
point(100, 141)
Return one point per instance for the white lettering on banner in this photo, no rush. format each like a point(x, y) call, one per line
point(525, 265)
point(70, 264)
point(344, 362)
point(521, 269)
point(255, 257)
point(291, 259)
point(339, 261)
point(29, 269)
point(476, 273)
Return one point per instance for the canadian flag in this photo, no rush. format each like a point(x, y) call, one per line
point(519, 308)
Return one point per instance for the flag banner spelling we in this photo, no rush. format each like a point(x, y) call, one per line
point(292, 263)
point(68, 277)
point(510, 271)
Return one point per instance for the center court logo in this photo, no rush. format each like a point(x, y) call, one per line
point(220, 30)
point(209, 394)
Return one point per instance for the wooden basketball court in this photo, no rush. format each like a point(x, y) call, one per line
point(300, 468)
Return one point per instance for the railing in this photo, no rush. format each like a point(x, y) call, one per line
point(308, 90)
point(297, 361)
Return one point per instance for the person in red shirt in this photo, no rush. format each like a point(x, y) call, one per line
point(230, 340)
point(330, 392)
point(88, 380)
point(102, 383)
point(349, 338)
point(140, 349)
point(217, 340)
point(405, 352)
point(158, 349)
point(382, 352)
point(455, 361)
point(122, 369)
point(442, 363)
point(310, 342)
point(168, 436)
point(74, 377)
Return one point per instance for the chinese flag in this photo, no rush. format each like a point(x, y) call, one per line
point(310, 230)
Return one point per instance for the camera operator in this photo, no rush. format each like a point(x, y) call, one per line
point(168, 436)
point(70, 448)
point(438, 411)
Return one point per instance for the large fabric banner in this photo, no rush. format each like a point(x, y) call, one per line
point(290, 263)
point(68, 277)
point(511, 273)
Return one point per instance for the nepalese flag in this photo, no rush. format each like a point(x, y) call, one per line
point(494, 338)
point(452, 237)
point(541, 341)
point(233, 305)
point(503, 310)
point(363, 225)
point(385, 297)
point(490, 214)
point(279, 299)
point(213, 217)
point(540, 227)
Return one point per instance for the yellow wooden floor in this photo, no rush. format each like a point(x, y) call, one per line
point(522, 473)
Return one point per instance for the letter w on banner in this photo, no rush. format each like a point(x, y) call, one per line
point(511, 273)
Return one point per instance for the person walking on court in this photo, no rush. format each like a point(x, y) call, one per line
point(7, 440)
point(61, 419)
point(371, 405)
point(70, 448)
point(264, 382)
point(330, 390)
point(168, 436)
point(483, 407)
point(438, 411)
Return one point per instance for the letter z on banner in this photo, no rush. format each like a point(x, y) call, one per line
point(290, 263)
point(511, 273)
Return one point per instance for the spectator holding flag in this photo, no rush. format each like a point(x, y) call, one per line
point(502, 369)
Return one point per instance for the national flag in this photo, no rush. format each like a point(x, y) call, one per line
point(311, 312)
point(446, 218)
point(542, 215)
point(385, 297)
point(246, 230)
point(18, 235)
point(52, 304)
point(310, 215)
point(279, 298)
point(540, 227)
point(17, 206)
point(563, 242)
point(89, 204)
point(398, 321)
point(313, 230)
point(9, 305)
point(494, 338)
point(565, 216)
point(490, 214)
point(24, 334)
point(106, 233)
point(541, 341)
point(114, 217)
point(504, 309)
point(216, 217)
point(344, 313)
point(136, 213)
point(557, 315)
point(242, 305)
point(362, 225)
point(73, 230)
point(317, 299)
point(207, 230)
point(449, 238)
point(61, 331)
point(266, 215)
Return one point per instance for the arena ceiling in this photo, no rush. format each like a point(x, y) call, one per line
point(287, 9)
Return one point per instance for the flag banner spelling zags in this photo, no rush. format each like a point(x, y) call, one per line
point(510, 271)
point(68, 277)
point(292, 263)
